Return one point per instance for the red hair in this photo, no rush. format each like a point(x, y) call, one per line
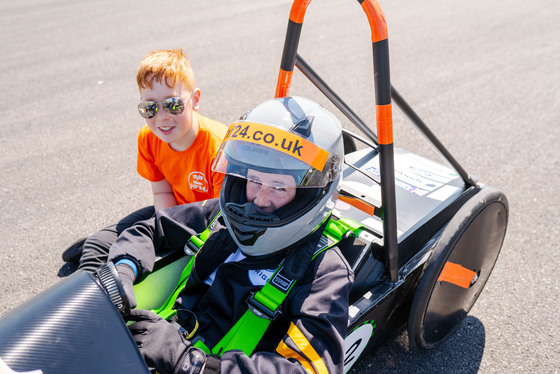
point(169, 66)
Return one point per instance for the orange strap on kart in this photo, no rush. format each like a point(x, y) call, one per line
point(457, 275)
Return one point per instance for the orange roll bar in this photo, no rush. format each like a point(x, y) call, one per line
point(376, 19)
point(384, 115)
point(284, 82)
point(299, 7)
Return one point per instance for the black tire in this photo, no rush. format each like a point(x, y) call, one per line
point(472, 240)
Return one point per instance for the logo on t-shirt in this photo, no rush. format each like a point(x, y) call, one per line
point(260, 277)
point(198, 182)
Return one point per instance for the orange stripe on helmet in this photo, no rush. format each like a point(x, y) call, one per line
point(298, 10)
point(376, 19)
point(384, 115)
point(457, 275)
point(280, 140)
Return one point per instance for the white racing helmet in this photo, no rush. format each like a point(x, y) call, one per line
point(292, 136)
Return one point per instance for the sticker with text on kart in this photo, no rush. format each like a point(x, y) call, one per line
point(356, 342)
point(421, 176)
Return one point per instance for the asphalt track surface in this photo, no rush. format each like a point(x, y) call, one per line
point(483, 75)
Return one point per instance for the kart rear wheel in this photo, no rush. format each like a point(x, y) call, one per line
point(458, 268)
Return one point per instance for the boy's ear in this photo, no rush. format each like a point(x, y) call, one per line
point(196, 99)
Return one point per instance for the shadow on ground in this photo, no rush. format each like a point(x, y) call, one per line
point(461, 353)
point(67, 269)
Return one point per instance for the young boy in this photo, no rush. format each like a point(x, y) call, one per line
point(176, 149)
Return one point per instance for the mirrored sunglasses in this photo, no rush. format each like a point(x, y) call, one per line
point(173, 105)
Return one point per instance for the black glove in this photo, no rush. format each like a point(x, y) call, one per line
point(160, 342)
point(126, 273)
point(196, 361)
point(164, 347)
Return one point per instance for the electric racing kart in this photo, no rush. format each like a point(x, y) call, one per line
point(422, 238)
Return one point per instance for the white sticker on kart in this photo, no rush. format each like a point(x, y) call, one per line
point(420, 176)
point(370, 193)
point(355, 343)
point(443, 193)
point(431, 169)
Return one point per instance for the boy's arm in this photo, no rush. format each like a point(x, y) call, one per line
point(163, 194)
point(168, 229)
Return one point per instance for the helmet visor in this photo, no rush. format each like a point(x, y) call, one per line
point(255, 146)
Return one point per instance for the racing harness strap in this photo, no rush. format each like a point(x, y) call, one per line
point(265, 304)
point(194, 243)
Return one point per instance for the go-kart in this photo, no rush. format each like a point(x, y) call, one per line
point(422, 238)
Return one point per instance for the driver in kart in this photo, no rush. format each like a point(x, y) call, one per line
point(282, 162)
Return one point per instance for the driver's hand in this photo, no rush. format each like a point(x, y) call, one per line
point(160, 342)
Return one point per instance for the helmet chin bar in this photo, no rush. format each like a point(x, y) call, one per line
point(250, 213)
point(247, 235)
point(246, 219)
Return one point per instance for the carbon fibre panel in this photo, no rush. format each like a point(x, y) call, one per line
point(70, 328)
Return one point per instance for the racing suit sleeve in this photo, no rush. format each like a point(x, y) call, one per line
point(314, 342)
point(168, 229)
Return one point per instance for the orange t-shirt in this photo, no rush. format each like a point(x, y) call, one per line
point(189, 172)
